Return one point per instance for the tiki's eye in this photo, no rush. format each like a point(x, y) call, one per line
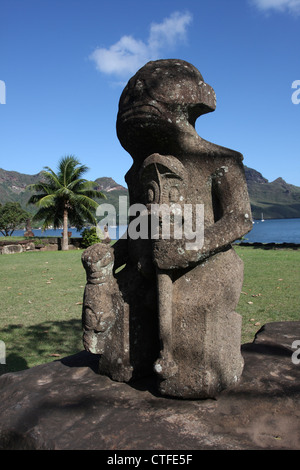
point(152, 193)
point(174, 194)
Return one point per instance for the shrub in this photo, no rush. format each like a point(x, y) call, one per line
point(90, 237)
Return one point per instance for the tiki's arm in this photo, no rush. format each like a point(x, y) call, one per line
point(232, 221)
point(235, 220)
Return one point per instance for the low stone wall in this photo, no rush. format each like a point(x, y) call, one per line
point(37, 244)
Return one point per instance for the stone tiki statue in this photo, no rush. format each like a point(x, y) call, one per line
point(171, 310)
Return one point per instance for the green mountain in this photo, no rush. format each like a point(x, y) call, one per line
point(276, 200)
point(13, 188)
point(112, 191)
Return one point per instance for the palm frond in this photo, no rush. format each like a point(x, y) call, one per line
point(82, 200)
point(48, 217)
point(52, 178)
point(78, 172)
point(80, 216)
point(40, 187)
point(45, 201)
point(67, 167)
point(66, 189)
point(77, 184)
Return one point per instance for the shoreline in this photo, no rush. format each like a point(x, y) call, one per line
point(268, 245)
point(77, 242)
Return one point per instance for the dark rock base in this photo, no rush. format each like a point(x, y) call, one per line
point(67, 405)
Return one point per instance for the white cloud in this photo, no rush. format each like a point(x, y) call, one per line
point(170, 30)
point(129, 54)
point(292, 6)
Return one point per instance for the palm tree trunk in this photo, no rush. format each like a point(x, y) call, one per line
point(65, 240)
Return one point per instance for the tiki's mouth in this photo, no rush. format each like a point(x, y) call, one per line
point(141, 110)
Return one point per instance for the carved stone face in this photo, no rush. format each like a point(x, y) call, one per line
point(167, 87)
point(164, 183)
point(164, 97)
point(164, 179)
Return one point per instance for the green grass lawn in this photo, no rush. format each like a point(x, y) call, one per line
point(42, 292)
point(271, 288)
point(41, 302)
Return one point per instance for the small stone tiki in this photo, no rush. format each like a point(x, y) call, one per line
point(171, 310)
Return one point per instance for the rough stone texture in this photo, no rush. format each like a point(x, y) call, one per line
point(128, 348)
point(103, 313)
point(66, 404)
point(50, 247)
point(29, 246)
point(176, 297)
point(10, 249)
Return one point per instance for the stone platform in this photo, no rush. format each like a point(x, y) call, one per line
point(67, 405)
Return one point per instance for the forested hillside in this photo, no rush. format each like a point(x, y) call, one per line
point(276, 199)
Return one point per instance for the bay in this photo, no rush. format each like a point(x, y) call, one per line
point(115, 232)
point(269, 231)
point(274, 231)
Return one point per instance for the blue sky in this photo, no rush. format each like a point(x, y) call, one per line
point(64, 64)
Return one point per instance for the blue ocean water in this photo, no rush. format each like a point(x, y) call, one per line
point(274, 231)
point(269, 231)
point(114, 232)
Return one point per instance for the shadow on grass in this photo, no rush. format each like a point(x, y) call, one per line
point(38, 344)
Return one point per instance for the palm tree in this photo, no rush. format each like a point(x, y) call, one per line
point(65, 197)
